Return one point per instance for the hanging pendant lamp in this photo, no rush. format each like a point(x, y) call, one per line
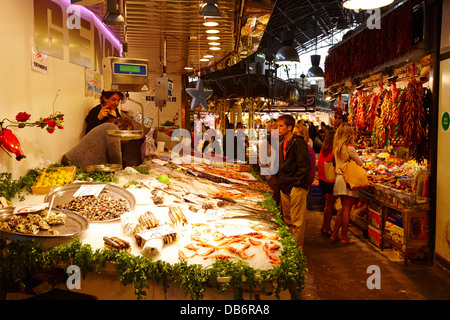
point(114, 15)
point(315, 72)
point(287, 54)
point(210, 9)
point(365, 4)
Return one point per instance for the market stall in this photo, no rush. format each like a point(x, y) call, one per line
point(163, 226)
point(390, 114)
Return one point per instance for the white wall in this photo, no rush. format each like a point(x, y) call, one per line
point(443, 174)
point(443, 152)
point(23, 89)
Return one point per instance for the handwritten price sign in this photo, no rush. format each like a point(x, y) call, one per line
point(157, 233)
point(89, 190)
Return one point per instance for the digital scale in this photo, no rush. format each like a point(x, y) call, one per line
point(125, 74)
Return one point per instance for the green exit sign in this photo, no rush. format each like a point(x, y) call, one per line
point(445, 121)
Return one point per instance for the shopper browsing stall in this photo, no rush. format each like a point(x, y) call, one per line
point(343, 149)
point(326, 176)
point(293, 177)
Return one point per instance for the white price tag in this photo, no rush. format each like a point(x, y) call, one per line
point(30, 208)
point(89, 190)
point(157, 233)
point(216, 213)
point(160, 162)
point(236, 231)
point(153, 184)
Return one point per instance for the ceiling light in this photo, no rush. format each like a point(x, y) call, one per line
point(214, 43)
point(365, 4)
point(208, 56)
point(188, 68)
point(212, 31)
point(210, 9)
point(212, 37)
point(215, 48)
point(287, 54)
point(204, 59)
point(210, 24)
point(315, 72)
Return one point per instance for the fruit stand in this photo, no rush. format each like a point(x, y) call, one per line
point(394, 211)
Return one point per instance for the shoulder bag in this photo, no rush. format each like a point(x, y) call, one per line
point(355, 176)
point(329, 170)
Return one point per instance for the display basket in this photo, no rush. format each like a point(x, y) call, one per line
point(45, 190)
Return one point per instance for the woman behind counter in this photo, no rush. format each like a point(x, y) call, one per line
point(106, 110)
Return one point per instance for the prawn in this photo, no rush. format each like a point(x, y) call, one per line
point(204, 244)
point(269, 250)
point(183, 256)
point(254, 241)
point(217, 256)
point(191, 247)
point(246, 246)
point(208, 252)
point(240, 253)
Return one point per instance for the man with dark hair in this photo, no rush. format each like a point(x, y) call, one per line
point(293, 176)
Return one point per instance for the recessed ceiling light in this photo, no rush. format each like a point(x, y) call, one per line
point(214, 43)
point(213, 38)
point(204, 59)
point(210, 24)
point(215, 48)
point(188, 68)
point(208, 56)
point(212, 31)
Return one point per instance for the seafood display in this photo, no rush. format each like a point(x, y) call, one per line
point(33, 223)
point(212, 242)
point(177, 216)
point(117, 244)
point(146, 221)
point(100, 208)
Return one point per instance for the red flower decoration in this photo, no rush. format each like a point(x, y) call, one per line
point(51, 123)
point(22, 117)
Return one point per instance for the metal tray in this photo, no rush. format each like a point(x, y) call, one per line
point(126, 134)
point(104, 167)
point(64, 194)
point(74, 225)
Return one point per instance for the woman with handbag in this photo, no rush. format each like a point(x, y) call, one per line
point(326, 175)
point(344, 150)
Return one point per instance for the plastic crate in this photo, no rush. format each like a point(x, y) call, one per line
point(315, 190)
point(315, 203)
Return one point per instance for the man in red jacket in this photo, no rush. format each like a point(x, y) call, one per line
point(293, 176)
